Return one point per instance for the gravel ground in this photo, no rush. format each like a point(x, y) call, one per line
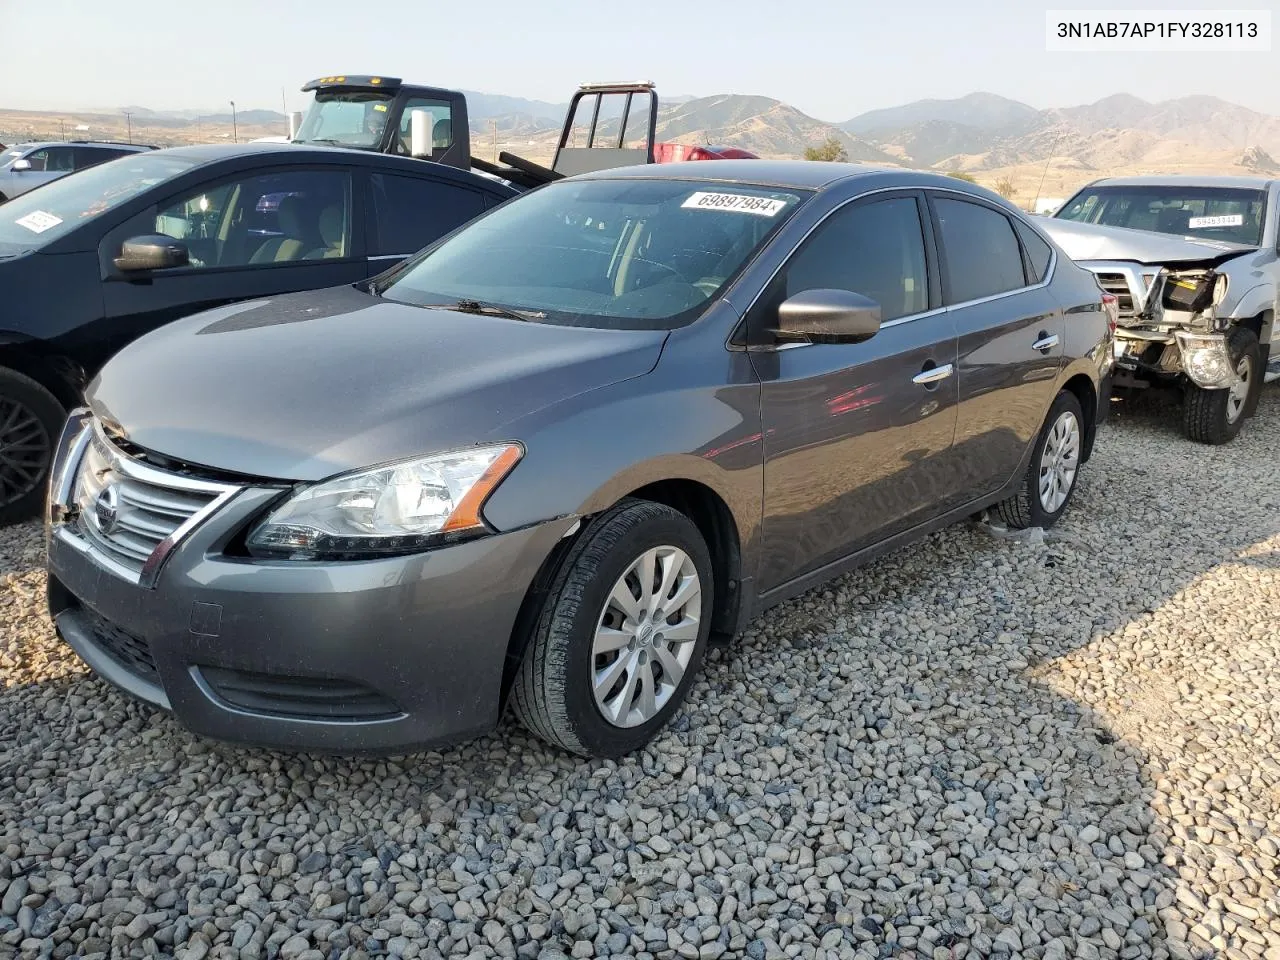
point(1058, 747)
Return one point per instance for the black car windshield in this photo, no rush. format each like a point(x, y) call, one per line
point(348, 118)
point(635, 254)
point(33, 219)
point(1231, 214)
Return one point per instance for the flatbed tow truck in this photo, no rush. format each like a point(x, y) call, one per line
point(387, 115)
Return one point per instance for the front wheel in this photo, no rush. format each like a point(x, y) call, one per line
point(621, 633)
point(1050, 480)
point(30, 420)
point(1216, 416)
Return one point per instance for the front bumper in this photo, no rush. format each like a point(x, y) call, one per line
point(375, 655)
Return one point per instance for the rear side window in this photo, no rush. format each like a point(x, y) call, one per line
point(982, 253)
point(91, 156)
point(1038, 252)
point(411, 212)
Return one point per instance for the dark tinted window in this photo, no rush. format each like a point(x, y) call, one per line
point(1037, 250)
point(411, 212)
point(982, 253)
point(876, 249)
point(91, 156)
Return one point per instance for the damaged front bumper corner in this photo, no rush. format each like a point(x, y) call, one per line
point(1205, 359)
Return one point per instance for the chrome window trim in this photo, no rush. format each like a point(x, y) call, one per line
point(945, 308)
point(390, 256)
point(221, 494)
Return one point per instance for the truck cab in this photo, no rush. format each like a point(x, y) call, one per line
point(377, 114)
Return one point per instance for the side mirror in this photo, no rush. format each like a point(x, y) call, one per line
point(19, 165)
point(420, 124)
point(831, 316)
point(153, 252)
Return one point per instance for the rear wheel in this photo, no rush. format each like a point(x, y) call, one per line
point(1216, 416)
point(1050, 479)
point(30, 420)
point(621, 634)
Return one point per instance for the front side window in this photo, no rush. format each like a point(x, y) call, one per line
point(983, 258)
point(872, 248)
point(52, 160)
point(35, 218)
point(281, 217)
point(648, 254)
point(1235, 215)
point(440, 124)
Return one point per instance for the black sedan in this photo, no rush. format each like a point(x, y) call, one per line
point(94, 260)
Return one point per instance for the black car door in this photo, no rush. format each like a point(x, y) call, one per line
point(857, 435)
point(408, 211)
point(1011, 336)
point(257, 233)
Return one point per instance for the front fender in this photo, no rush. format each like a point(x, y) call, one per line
point(1255, 300)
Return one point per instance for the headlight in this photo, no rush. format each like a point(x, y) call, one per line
point(393, 509)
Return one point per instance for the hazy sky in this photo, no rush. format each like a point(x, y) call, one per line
point(831, 58)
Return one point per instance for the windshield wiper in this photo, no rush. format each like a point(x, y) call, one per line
point(489, 310)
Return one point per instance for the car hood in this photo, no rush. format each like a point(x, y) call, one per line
point(304, 386)
point(1090, 241)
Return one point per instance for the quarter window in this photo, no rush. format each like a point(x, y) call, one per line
point(273, 218)
point(982, 253)
point(1038, 252)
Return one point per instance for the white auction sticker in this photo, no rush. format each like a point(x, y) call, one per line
point(1226, 220)
point(38, 221)
point(735, 202)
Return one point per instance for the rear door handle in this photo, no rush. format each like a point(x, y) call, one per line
point(1046, 342)
point(933, 374)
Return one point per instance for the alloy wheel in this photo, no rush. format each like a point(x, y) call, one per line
point(24, 451)
point(645, 636)
point(1059, 461)
point(1238, 393)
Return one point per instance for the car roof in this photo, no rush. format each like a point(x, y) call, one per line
point(208, 153)
point(1187, 180)
point(35, 144)
point(794, 174)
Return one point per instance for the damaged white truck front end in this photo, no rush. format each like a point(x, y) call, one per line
point(1193, 314)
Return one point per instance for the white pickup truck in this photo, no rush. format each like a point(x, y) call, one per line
point(1195, 265)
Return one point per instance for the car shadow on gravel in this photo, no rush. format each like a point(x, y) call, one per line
point(976, 746)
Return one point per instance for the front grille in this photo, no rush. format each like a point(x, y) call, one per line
point(126, 510)
point(129, 651)
point(1118, 285)
point(307, 698)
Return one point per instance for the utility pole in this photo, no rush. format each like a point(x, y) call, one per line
point(128, 119)
point(495, 140)
point(235, 136)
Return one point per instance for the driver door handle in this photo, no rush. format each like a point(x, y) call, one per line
point(933, 374)
point(1046, 342)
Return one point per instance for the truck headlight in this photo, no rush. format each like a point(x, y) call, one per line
point(1205, 359)
point(394, 509)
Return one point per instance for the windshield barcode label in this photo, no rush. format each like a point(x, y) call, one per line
point(1226, 220)
point(38, 221)
point(735, 202)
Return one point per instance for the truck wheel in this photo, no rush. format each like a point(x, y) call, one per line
point(621, 633)
point(1216, 416)
point(1050, 479)
point(31, 419)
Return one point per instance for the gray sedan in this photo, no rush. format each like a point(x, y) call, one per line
point(544, 462)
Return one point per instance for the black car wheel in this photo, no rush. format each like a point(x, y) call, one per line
point(1050, 479)
point(1216, 416)
point(621, 633)
point(30, 420)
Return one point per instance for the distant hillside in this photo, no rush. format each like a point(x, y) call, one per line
point(984, 111)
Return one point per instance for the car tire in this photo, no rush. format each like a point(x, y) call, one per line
point(1050, 480)
point(583, 648)
point(31, 419)
point(1216, 416)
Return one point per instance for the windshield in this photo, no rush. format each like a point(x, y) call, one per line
point(1202, 213)
point(31, 220)
point(636, 254)
point(348, 118)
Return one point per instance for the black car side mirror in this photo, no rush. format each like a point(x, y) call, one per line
point(154, 252)
point(830, 316)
